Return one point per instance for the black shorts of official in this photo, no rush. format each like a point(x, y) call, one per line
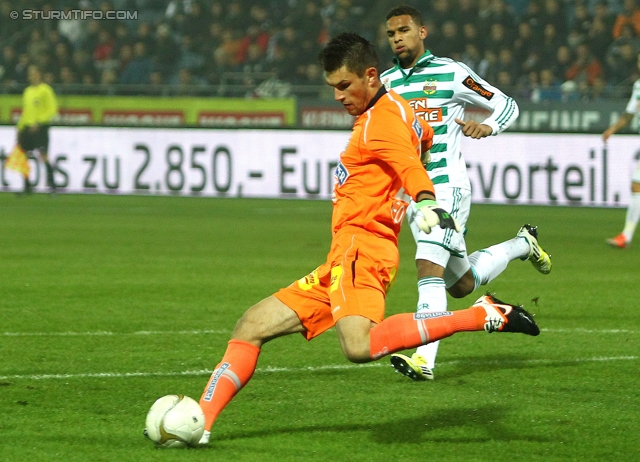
point(34, 139)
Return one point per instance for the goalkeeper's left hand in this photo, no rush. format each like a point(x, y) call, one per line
point(430, 215)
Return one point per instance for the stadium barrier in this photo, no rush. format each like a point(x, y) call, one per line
point(161, 112)
point(150, 111)
point(515, 168)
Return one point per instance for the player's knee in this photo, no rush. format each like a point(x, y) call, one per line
point(456, 292)
point(462, 288)
point(251, 327)
point(246, 329)
point(356, 352)
point(460, 291)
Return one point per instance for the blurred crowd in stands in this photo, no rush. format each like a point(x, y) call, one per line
point(533, 49)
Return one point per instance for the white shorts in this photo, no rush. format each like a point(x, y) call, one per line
point(445, 247)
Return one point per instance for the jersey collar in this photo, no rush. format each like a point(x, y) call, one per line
point(422, 62)
point(381, 92)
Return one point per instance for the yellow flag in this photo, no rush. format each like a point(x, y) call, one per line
point(17, 161)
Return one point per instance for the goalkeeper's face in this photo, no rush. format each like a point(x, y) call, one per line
point(352, 91)
point(406, 39)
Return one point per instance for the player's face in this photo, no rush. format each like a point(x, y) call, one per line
point(406, 39)
point(353, 92)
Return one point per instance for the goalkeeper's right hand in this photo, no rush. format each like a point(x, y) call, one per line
point(430, 215)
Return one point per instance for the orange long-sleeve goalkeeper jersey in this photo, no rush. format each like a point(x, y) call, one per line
point(380, 163)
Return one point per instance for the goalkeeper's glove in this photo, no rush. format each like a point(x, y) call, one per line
point(430, 215)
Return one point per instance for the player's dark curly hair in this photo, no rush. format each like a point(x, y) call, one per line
point(350, 50)
point(406, 10)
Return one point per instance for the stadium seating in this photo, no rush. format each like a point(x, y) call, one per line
point(210, 47)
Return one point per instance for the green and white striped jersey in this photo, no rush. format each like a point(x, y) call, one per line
point(633, 106)
point(439, 89)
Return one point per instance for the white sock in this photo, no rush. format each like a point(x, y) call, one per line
point(633, 215)
point(488, 263)
point(204, 439)
point(432, 296)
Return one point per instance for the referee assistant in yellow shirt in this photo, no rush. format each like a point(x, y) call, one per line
point(39, 108)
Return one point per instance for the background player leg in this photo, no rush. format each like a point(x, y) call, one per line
point(432, 298)
point(50, 181)
point(623, 239)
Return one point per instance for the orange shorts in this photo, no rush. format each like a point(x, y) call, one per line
point(360, 268)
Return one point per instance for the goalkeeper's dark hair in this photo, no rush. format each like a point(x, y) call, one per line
point(350, 50)
point(406, 10)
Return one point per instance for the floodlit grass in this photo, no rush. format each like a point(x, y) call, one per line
point(108, 303)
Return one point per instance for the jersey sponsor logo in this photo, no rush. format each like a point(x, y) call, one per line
point(341, 174)
point(398, 210)
point(421, 110)
point(417, 128)
point(431, 115)
point(475, 86)
point(429, 87)
point(431, 315)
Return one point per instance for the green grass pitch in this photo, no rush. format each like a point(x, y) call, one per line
point(109, 302)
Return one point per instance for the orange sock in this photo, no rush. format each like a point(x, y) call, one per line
point(234, 371)
point(409, 330)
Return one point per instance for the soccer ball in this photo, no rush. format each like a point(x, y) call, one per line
point(175, 421)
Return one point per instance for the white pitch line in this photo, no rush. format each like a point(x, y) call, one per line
point(269, 369)
point(109, 333)
point(590, 331)
point(223, 332)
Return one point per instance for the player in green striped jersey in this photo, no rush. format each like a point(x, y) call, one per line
point(439, 89)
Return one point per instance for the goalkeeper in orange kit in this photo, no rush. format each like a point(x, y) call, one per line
point(39, 108)
point(379, 167)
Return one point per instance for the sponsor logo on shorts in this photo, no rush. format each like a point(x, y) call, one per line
point(475, 86)
point(336, 274)
point(214, 381)
point(310, 280)
point(341, 174)
point(431, 315)
point(392, 277)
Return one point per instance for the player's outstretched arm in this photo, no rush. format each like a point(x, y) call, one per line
point(622, 122)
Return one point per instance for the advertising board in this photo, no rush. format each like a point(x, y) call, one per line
point(550, 169)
